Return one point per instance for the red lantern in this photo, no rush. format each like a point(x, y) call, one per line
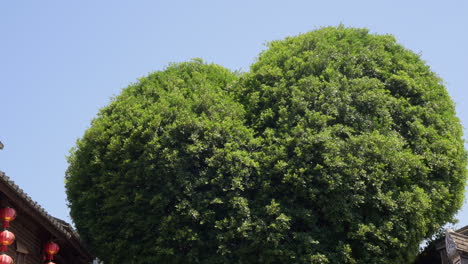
point(5, 259)
point(6, 238)
point(51, 248)
point(7, 215)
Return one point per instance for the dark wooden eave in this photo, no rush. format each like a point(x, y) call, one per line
point(58, 228)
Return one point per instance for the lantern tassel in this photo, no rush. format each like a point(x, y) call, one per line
point(6, 224)
point(4, 248)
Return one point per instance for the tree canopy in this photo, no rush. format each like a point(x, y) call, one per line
point(338, 146)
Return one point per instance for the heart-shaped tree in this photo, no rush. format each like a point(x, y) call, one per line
point(338, 146)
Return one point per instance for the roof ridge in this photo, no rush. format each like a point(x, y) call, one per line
point(458, 234)
point(462, 230)
point(52, 220)
point(34, 204)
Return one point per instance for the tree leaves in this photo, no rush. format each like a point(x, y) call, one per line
point(338, 146)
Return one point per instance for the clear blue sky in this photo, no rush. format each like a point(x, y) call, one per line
point(61, 61)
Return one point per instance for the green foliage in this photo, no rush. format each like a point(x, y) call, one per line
point(338, 146)
point(363, 140)
point(160, 176)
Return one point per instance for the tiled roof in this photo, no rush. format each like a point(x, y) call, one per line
point(463, 230)
point(34, 204)
point(59, 225)
point(461, 241)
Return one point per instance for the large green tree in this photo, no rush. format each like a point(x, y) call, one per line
point(160, 175)
point(339, 146)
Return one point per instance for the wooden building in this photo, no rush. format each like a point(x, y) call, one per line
point(34, 227)
point(454, 248)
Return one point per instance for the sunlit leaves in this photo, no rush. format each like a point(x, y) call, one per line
point(362, 146)
point(339, 146)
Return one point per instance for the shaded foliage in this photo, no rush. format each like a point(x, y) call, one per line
point(429, 255)
point(338, 146)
